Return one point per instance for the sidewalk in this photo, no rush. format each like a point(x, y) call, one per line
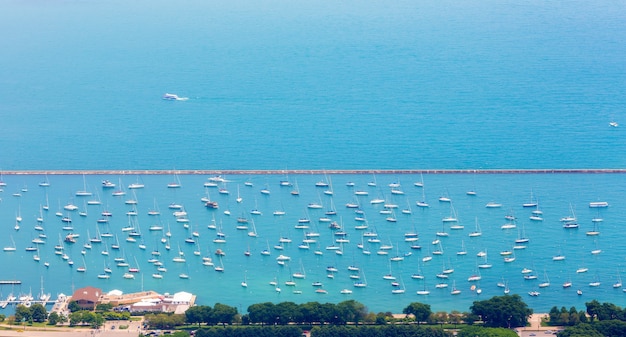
point(535, 328)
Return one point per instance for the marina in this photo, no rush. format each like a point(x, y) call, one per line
point(384, 138)
point(261, 237)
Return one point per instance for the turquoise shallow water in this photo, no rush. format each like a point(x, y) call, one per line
point(554, 193)
point(289, 85)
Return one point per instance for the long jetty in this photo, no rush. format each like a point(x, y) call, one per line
point(317, 171)
point(10, 282)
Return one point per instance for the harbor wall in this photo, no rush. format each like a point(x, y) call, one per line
point(268, 172)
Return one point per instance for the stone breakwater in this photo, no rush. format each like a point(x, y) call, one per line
point(265, 172)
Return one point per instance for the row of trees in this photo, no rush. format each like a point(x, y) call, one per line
point(566, 317)
point(378, 330)
point(600, 319)
point(164, 321)
point(502, 311)
point(250, 331)
point(499, 311)
point(306, 313)
point(605, 311)
point(613, 328)
point(85, 317)
point(351, 331)
point(34, 313)
point(38, 313)
point(218, 314)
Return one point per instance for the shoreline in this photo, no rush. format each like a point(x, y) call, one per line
point(310, 172)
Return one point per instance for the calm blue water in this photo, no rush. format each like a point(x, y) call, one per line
point(555, 194)
point(278, 84)
point(350, 85)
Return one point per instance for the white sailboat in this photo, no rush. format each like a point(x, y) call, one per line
point(361, 282)
point(423, 291)
point(463, 251)
point(45, 182)
point(176, 183)
point(418, 275)
point(531, 203)
point(84, 192)
point(618, 282)
point(136, 185)
point(120, 192)
point(419, 183)
point(400, 289)
point(244, 283)
point(422, 202)
point(571, 217)
point(477, 232)
point(485, 264)
point(595, 231)
point(11, 248)
point(184, 275)
point(454, 291)
point(546, 281)
point(239, 198)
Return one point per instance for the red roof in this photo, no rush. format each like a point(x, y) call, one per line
point(88, 294)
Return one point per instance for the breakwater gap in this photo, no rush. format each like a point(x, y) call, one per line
point(314, 172)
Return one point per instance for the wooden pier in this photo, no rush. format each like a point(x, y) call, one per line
point(305, 172)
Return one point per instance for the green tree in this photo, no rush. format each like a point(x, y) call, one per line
point(421, 311)
point(197, 314)
point(53, 318)
point(311, 312)
point(104, 307)
point(164, 321)
point(580, 330)
point(76, 318)
point(73, 306)
point(287, 312)
point(264, 313)
point(97, 321)
point(330, 314)
point(603, 311)
point(250, 331)
point(22, 313)
point(502, 311)
point(223, 313)
point(352, 311)
point(554, 315)
point(63, 319)
point(613, 328)
point(381, 319)
point(574, 317)
point(38, 312)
